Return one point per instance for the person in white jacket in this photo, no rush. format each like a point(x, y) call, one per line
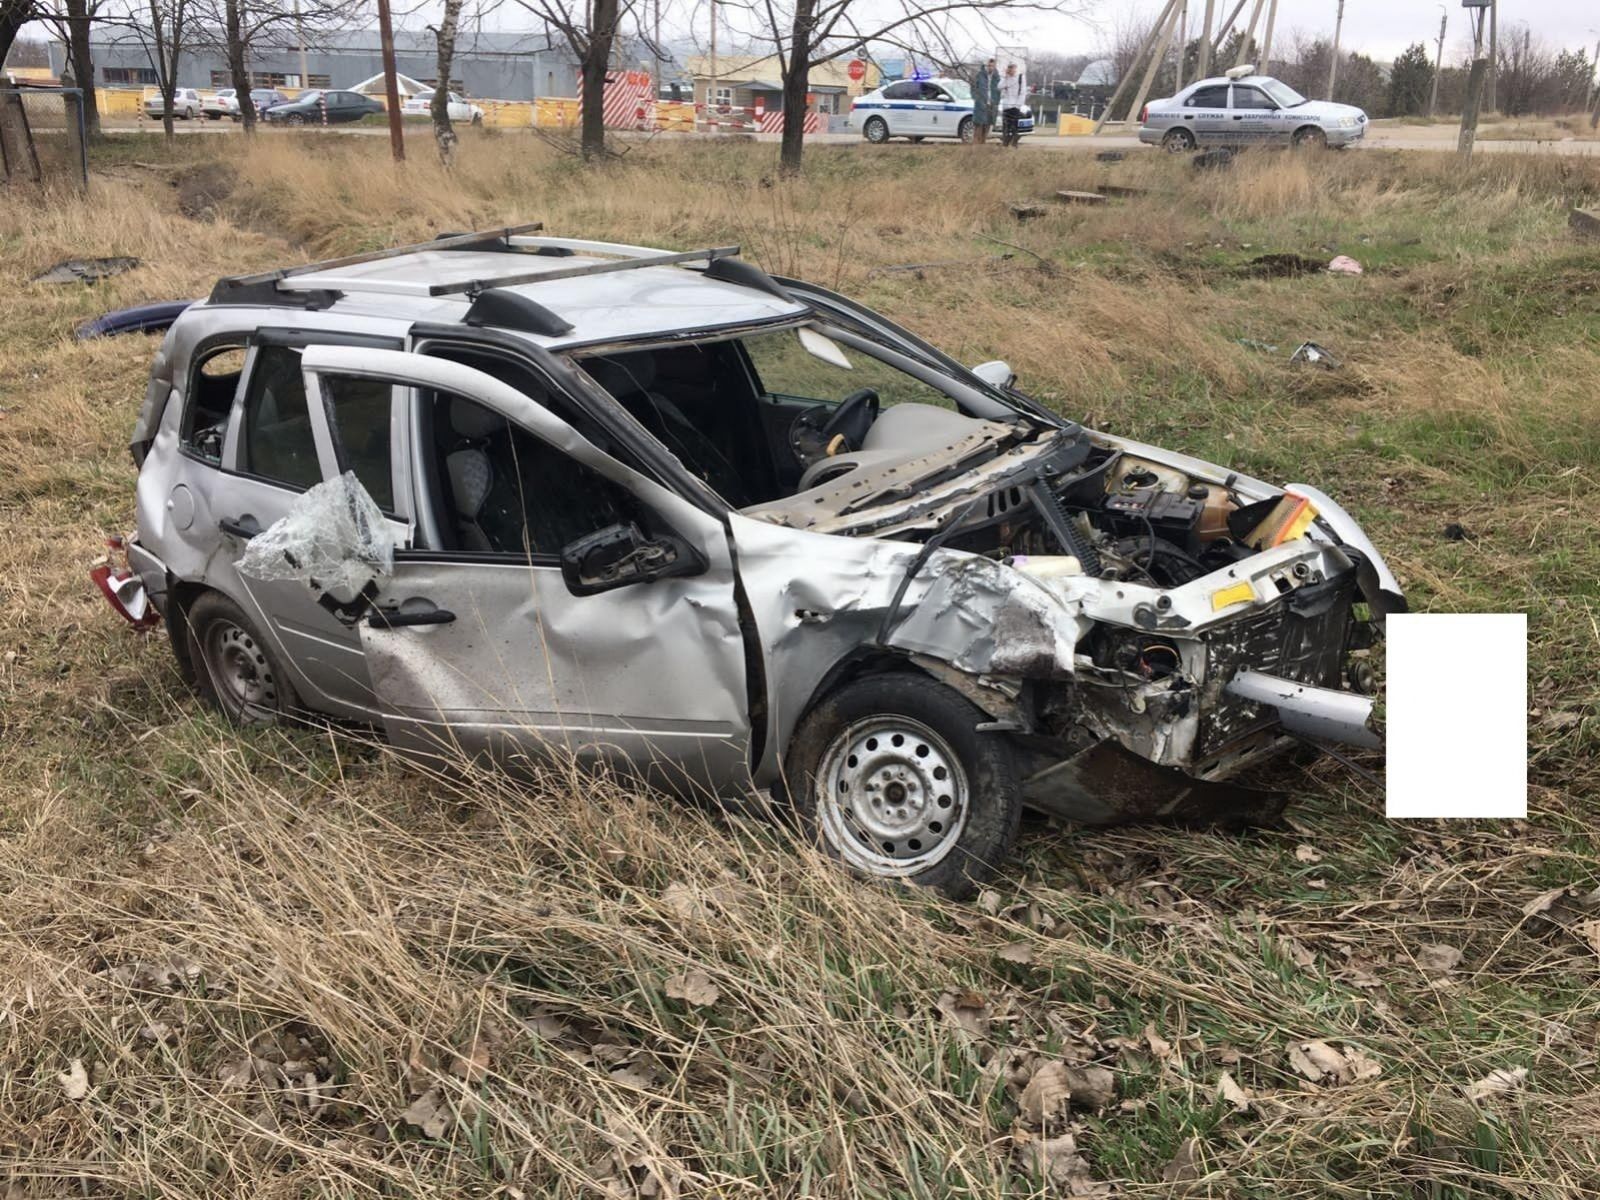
point(1013, 95)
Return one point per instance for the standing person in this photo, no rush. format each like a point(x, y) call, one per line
point(1013, 95)
point(985, 101)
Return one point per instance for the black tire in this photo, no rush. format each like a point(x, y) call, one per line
point(1309, 137)
point(1177, 141)
point(906, 792)
point(876, 130)
point(964, 130)
point(234, 667)
point(477, 118)
point(213, 116)
point(295, 119)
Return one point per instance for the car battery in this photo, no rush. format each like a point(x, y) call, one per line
point(1145, 510)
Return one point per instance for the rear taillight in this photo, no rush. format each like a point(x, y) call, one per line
point(1144, 114)
point(124, 590)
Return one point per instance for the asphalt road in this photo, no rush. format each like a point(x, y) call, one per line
point(1441, 138)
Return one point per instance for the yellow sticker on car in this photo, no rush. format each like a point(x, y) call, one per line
point(1233, 594)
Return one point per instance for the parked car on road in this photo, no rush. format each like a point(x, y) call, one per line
point(421, 105)
point(1245, 109)
point(515, 495)
point(223, 102)
point(918, 109)
point(185, 105)
point(322, 108)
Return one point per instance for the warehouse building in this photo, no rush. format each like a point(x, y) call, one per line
point(500, 66)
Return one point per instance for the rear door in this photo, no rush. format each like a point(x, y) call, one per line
point(1205, 114)
point(480, 642)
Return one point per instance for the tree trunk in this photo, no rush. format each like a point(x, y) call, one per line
point(796, 82)
point(238, 69)
point(596, 58)
point(444, 134)
point(82, 58)
point(14, 14)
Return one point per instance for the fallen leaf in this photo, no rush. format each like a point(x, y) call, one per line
point(472, 1064)
point(1438, 958)
point(158, 1032)
point(1185, 1164)
point(430, 1113)
point(1159, 1046)
point(990, 901)
point(1228, 1089)
point(967, 1011)
point(1307, 854)
point(1091, 1086)
point(1056, 1160)
point(75, 1080)
point(1016, 952)
point(1323, 1064)
point(1542, 902)
point(684, 901)
point(1497, 1081)
point(693, 987)
point(1590, 932)
point(1047, 1096)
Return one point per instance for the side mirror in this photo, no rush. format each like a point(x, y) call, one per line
point(996, 372)
point(619, 555)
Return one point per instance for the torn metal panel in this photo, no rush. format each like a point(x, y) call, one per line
point(1109, 785)
point(1314, 712)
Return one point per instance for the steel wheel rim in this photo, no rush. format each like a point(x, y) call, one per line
point(892, 796)
point(1178, 141)
point(877, 130)
point(240, 672)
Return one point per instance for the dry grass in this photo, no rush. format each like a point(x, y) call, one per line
point(269, 951)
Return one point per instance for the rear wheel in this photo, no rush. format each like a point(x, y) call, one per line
point(891, 777)
point(876, 130)
point(235, 669)
point(295, 119)
point(964, 130)
point(1177, 141)
point(1309, 137)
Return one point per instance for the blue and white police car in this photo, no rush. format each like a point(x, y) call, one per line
point(921, 108)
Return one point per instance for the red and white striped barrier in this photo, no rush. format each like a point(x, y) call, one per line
point(629, 100)
point(724, 118)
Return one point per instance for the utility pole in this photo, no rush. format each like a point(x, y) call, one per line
point(711, 88)
point(300, 38)
point(1475, 82)
point(391, 85)
point(1594, 117)
point(1494, 55)
point(1333, 66)
point(1438, 61)
point(1266, 40)
point(1183, 43)
point(1204, 67)
point(656, 51)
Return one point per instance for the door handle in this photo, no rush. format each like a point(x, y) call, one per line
point(393, 618)
point(1238, 118)
point(234, 527)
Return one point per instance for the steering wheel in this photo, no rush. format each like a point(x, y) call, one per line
point(852, 419)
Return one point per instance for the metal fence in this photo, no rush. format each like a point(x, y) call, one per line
point(42, 136)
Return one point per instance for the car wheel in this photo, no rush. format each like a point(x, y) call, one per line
point(477, 118)
point(964, 130)
point(211, 116)
point(234, 667)
point(295, 119)
point(1177, 141)
point(1309, 137)
point(876, 131)
point(891, 777)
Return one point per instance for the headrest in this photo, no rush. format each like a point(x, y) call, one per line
point(471, 420)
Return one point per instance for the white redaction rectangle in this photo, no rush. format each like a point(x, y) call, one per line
point(1456, 715)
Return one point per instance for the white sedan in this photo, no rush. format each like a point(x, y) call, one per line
point(185, 104)
point(421, 105)
point(224, 102)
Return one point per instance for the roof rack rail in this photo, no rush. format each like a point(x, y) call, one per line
point(634, 258)
point(458, 241)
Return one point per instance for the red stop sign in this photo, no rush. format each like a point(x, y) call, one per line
point(858, 70)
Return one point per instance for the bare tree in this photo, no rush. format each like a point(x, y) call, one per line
point(71, 22)
point(14, 14)
point(444, 135)
point(163, 30)
point(237, 27)
point(590, 28)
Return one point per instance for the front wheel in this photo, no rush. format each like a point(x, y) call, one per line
point(1310, 137)
point(876, 131)
point(891, 776)
point(964, 130)
point(1177, 141)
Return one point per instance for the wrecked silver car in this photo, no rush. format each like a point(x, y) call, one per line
point(507, 493)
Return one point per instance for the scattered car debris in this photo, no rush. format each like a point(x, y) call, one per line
point(1343, 264)
point(1219, 159)
point(1584, 222)
point(1122, 190)
point(1497, 1082)
point(1283, 265)
point(1456, 532)
point(1315, 355)
point(1255, 344)
point(85, 270)
point(1071, 197)
point(927, 603)
point(141, 318)
point(1026, 212)
point(1111, 156)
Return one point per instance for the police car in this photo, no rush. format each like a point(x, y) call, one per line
point(921, 108)
point(1242, 108)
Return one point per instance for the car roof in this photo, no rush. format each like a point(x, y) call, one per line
point(1223, 79)
point(619, 304)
